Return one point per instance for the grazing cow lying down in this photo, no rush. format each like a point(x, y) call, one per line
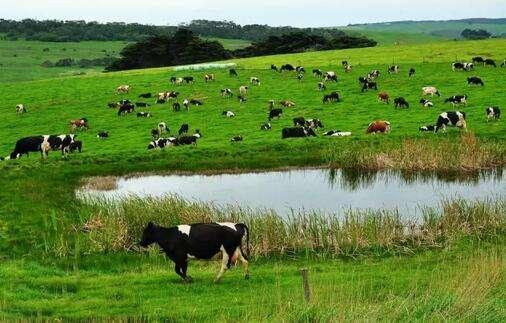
point(451, 119)
point(493, 113)
point(44, 144)
point(430, 90)
point(162, 143)
point(378, 126)
point(309, 123)
point(297, 132)
point(337, 133)
point(427, 128)
point(201, 241)
point(426, 103)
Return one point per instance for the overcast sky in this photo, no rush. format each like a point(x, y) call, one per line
point(272, 12)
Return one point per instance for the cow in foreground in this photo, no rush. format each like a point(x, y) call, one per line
point(44, 144)
point(451, 119)
point(201, 241)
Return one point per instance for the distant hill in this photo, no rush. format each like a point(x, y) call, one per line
point(444, 28)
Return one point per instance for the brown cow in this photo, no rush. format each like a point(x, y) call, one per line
point(79, 124)
point(384, 97)
point(378, 126)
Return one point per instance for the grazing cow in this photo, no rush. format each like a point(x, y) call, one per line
point(457, 66)
point(451, 118)
point(183, 129)
point(426, 103)
point(196, 102)
point(266, 126)
point(254, 80)
point(287, 68)
point(330, 76)
point(493, 113)
point(369, 85)
point(241, 98)
point(317, 72)
point(176, 107)
point(490, 62)
point(186, 140)
point(332, 97)
point(20, 109)
point(162, 127)
point(209, 77)
point(243, 90)
point(299, 77)
point(321, 86)
point(103, 134)
point(384, 97)
point(228, 114)
point(378, 126)
point(142, 104)
point(348, 69)
point(77, 145)
point(186, 104)
point(427, 128)
point(478, 60)
point(287, 103)
point(411, 72)
point(297, 132)
point(337, 133)
point(430, 90)
point(374, 74)
point(226, 93)
point(474, 80)
point(146, 95)
point(274, 67)
point(457, 99)
point(275, 113)
point(468, 66)
point(81, 124)
point(202, 241)
point(188, 79)
point(401, 102)
point(394, 69)
point(161, 143)
point(123, 89)
point(143, 114)
point(43, 144)
point(300, 69)
point(126, 108)
point(232, 72)
point(236, 138)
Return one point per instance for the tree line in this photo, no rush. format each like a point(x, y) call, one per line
point(185, 47)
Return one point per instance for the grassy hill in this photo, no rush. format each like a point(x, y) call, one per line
point(53, 269)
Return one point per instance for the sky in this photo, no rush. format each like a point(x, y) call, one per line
point(300, 13)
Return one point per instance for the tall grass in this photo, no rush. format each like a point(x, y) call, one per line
point(112, 226)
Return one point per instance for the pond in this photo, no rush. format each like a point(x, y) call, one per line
point(305, 190)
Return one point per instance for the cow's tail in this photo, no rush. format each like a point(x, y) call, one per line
point(246, 232)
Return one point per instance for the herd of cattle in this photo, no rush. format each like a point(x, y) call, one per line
point(302, 127)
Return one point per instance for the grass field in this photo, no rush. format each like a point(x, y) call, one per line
point(51, 272)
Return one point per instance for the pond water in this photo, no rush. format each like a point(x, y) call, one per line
point(305, 190)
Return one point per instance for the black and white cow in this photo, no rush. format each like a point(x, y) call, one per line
point(236, 138)
point(42, 144)
point(317, 72)
point(401, 102)
point(196, 102)
point(308, 123)
point(254, 80)
point(201, 241)
point(427, 128)
point(183, 129)
point(103, 134)
point(394, 69)
point(274, 67)
point(266, 126)
point(474, 80)
point(241, 98)
point(125, 109)
point(321, 86)
point(188, 79)
point(330, 76)
point(426, 103)
point(374, 74)
point(297, 132)
point(20, 109)
point(411, 72)
point(337, 133)
point(451, 119)
point(300, 69)
point(142, 104)
point(332, 97)
point(226, 93)
point(161, 143)
point(143, 114)
point(493, 113)
point(457, 66)
point(228, 114)
point(457, 99)
point(368, 85)
point(275, 113)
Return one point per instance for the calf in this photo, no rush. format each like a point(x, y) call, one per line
point(236, 138)
point(401, 102)
point(186, 104)
point(493, 113)
point(155, 133)
point(299, 77)
point(426, 103)
point(490, 62)
point(374, 74)
point(378, 126)
point(145, 95)
point(241, 98)
point(183, 129)
point(144, 115)
point(457, 99)
point(275, 113)
point(347, 69)
point(474, 80)
point(103, 134)
point(20, 109)
point(196, 102)
point(411, 72)
point(384, 97)
point(266, 126)
point(228, 114)
point(427, 128)
point(201, 241)
point(188, 79)
point(297, 132)
point(300, 69)
point(430, 90)
point(162, 127)
point(394, 69)
point(274, 67)
point(187, 140)
point(451, 118)
point(81, 124)
point(332, 97)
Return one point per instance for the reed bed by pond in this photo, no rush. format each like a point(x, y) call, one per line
point(108, 226)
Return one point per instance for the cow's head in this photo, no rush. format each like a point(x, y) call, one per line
point(14, 155)
point(148, 235)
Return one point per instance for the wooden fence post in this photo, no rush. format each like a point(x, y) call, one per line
point(305, 284)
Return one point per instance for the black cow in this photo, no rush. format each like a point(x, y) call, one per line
point(103, 134)
point(183, 129)
point(490, 62)
point(457, 99)
point(232, 72)
point(145, 95)
point(142, 104)
point(196, 102)
point(202, 241)
point(77, 145)
point(126, 108)
point(411, 72)
point(275, 113)
point(451, 118)
point(369, 85)
point(287, 67)
point(401, 102)
point(274, 67)
point(188, 79)
point(493, 113)
point(297, 132)
point(478, 59)
point(176, 107)
point(427, 128)
point(457, 66)
point(317, 72)
point(474, 80)
point(332, 97)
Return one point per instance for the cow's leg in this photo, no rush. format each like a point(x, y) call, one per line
point(224, 264)
point(244, 262)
